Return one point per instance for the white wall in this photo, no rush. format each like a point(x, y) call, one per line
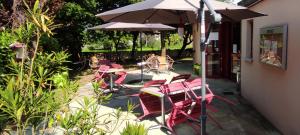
point(275, 92)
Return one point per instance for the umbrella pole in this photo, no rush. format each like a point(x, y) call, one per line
point(142, 74)
point(203, 74)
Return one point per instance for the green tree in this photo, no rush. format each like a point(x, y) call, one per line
point(78, 15)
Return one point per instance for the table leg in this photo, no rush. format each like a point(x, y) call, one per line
point(142, 74)
point(163, 110)
point(111, 82)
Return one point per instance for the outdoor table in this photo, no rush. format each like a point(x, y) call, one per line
point(110, 72)
point(141, 64)
point(155, 91)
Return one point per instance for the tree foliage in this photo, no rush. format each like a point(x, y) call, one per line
point(78, 15)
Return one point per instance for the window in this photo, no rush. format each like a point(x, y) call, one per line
point(249, 41)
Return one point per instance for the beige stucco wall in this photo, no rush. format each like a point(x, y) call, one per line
point(275, 92)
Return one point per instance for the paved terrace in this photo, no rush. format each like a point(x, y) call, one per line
point(236, 120)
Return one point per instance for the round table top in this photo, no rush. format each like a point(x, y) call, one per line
point(153, 91)
point(112, 70)
point(151, 88)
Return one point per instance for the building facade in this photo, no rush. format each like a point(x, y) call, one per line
point(270, 65)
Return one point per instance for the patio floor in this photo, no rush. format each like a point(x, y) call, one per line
point(241, 119)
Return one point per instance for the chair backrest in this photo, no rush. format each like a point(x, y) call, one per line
point(104, 62)
point(175, 92)
point(114, 65)
point(181, 77)
point(170, 62)
point(154, 83)
point(101, 71)
point(173, 88)
point(194, 84)
point(103, 68)
point(121, 77)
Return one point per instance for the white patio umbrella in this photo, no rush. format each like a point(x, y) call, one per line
point(173, 12)
point(119, 26)
point(181, 12)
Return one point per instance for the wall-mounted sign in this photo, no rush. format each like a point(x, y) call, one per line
point(273, 46)
point(214, 36)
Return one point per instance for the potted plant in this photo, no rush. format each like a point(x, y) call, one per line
point(197, 69)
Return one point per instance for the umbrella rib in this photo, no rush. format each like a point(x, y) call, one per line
point(191, 4)
point(156, 10)
point(117, 16)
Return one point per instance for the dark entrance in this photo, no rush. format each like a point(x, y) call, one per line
point(223, 55)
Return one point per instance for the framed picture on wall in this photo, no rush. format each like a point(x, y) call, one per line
point(273, 45)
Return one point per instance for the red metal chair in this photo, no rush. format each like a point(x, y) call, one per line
point(114, 65)
point(196, 84)
point(150, 104)
point(121, 76)
point(183, 108)
point(104, 62)
point(182, 77)
point(157, 83)
point(100, 75)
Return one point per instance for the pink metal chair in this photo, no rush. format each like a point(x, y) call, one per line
point(182, 77)
point(183, 108)
point(157, 83)
point(150, 104)
point(101, 74)
point(114, 65)
point(194, 84)
point(121, 76)
point(104, 62)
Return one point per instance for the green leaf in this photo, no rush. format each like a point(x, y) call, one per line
point(36, 6)
point(20, 113)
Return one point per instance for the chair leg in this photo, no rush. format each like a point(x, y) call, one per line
point(125, 87)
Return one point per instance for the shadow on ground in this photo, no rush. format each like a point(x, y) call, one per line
point(241, 119)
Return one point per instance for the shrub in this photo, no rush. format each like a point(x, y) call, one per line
point(134, 129)
point(6, 38)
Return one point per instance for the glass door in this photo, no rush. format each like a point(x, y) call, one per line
point(213, 60)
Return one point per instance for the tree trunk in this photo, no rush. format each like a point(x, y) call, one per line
point(196, 43)
point(133, 50)
point(185, 42)
point(117, 51)
point(163, 44)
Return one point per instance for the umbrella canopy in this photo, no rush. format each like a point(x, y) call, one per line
point(133, 27)
point(173, 12)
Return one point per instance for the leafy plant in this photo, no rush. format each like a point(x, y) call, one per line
point(197, 69)
point(25, 109)
point(134, 129)
point(6, 38)
point(100, 96)
point(83, 121)
point(28, 99)
point(87, 119)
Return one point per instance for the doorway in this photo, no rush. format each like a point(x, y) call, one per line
point(223, 52)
